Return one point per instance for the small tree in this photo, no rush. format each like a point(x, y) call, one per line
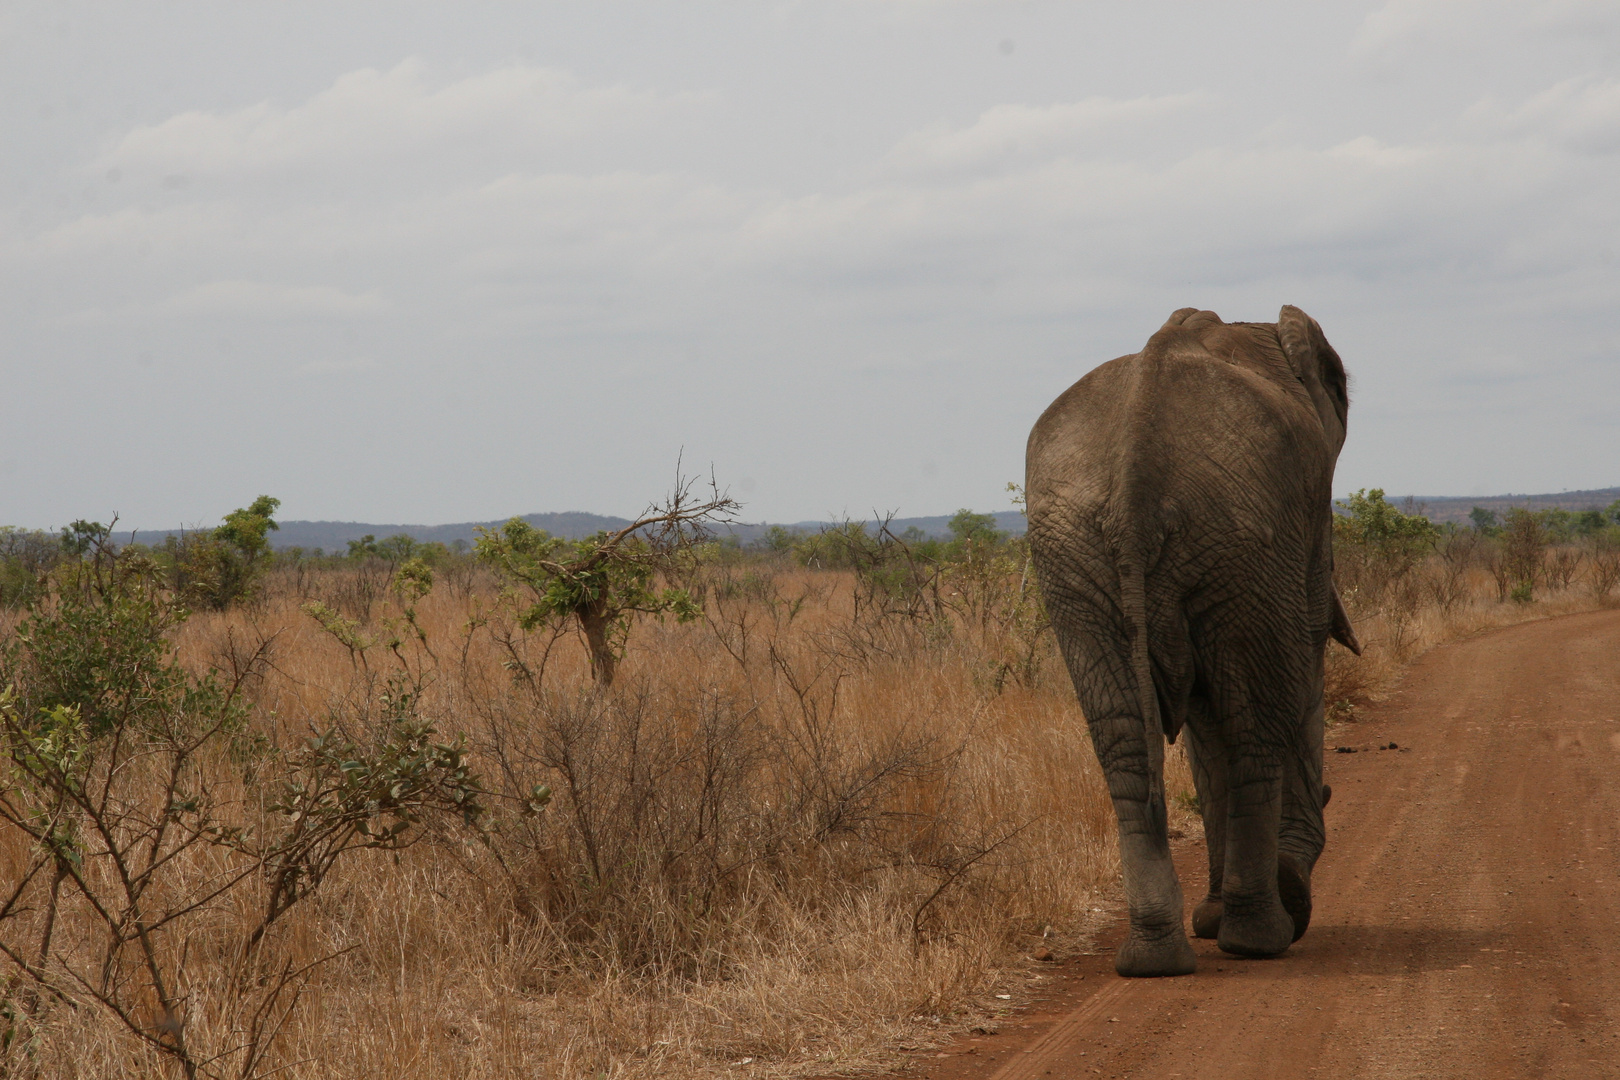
point(1590, 522)
point(1558, 524)
point(603, 582)
point(364, 547)
point(25, 557)
point(1372, 522)
point(778, 540)
point(966, 527)
point(219, 567)
point(1484, 520)
point(1524, 546)
point(1376, 548)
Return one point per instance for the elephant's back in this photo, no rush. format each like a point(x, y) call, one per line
point(1176, 445)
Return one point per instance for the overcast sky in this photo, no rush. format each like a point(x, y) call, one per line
point(414, 262)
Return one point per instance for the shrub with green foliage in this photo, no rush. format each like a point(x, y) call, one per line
point(97, 640)
point(1524, 546)
point(26, 556)
point(602, 583)
point(215, 568)
point(968, 527)
point(111, 785)
point(1372, 523)
point(1376, 549)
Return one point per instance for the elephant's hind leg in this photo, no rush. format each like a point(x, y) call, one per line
point(1156, 943)
point(1207, 758)
point(1302, 836)
point(1254, 920)
point(1294, 889)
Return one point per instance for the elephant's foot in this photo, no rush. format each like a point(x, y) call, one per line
point(1207, 918)
point(1259, 931)
point(1142, 957)
point(1294, 886)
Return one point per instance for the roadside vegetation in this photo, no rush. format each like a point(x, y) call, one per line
point(1409, 584)
point(647, 804)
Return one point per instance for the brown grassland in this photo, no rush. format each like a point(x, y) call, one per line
point(823, 823)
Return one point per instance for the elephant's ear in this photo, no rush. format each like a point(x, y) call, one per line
point(1342, 631)
point(1314, 362)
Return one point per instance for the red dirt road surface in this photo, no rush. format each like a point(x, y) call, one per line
point(1467, 918)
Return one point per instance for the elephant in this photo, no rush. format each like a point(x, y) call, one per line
point(1180, 522)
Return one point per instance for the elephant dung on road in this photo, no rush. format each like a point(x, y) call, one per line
point(1180, 515)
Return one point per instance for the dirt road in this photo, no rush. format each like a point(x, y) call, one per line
point(1467, 917)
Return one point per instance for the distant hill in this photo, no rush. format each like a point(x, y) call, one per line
point(334, 536)
point(1443, 508)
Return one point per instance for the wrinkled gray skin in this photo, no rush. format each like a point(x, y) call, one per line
point(1180, 518)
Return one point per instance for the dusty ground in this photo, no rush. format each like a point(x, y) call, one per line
point(1467, 917)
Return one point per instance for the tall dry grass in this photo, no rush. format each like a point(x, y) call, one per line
point(1400, 612)
point(795, 837)
point(799, 833)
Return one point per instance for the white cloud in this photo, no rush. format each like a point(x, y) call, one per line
point(370, 114)
point(1099, 191)
point(1398, 22)
point(353, 366)
point(1203, 206)
point(1008, 136)
point(814, 251)
point(1401, 27)
point(1582, 115)
point(257, 300)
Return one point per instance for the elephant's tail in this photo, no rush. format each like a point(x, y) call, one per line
point(1133, 598)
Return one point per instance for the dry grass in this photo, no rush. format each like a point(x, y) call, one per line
point(787, 835)
point(1432, 605)
point(795, 838)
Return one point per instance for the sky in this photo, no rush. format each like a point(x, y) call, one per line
point(436, 262)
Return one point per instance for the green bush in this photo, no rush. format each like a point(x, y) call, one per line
point(109, 784)
point(1371, 522)
point(26, 555)
point(96, 640)
point(1524, 547)
point(967, 527)
point(215, 568)
point(602, 583)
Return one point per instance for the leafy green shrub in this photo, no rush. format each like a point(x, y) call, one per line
point(1376, 548)
point(97, 641)
point(134, 844)
point(1590, 522)
point(600, 584)
point(26, 555)
point(1524, 547)
point(843, 546)
point(778, 540)
point(967, 527)
point(1557, 525)
point(1372, 523)
point(215, 568)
